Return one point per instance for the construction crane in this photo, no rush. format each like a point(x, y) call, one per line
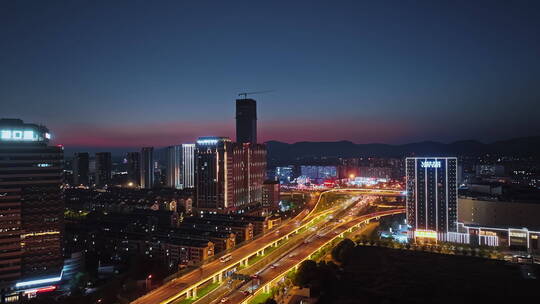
point(245, 94)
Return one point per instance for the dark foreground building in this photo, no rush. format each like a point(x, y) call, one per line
point(31, 208)
point(246, 121)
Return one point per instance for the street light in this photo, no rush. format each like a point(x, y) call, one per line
point(148, 281)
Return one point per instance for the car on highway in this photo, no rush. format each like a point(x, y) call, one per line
point(273, 266)
point(224, 300)
point(246, 292)
point(291, 255)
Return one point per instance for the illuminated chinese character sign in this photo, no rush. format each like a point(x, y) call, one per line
point(431, 164)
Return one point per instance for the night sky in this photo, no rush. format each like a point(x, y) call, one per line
point(140, 73)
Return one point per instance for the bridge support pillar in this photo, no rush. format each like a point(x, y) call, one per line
point(220, 277)
point(194, 292)
point(266, 288)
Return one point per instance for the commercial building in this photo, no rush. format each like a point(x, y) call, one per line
point(147, 167)
point(511, 224)
point(133, 165)
point(174, 167)
point(188, 165)
point(31, 208)
point(246, 121)
point(213, 173)
point(103, 169)
point(319, 174)
point(81, 169)
point(431, 197)
point(285, 175)
point(228, 176)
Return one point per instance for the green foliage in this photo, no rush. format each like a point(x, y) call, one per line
point(307, 271)
point(342, 250)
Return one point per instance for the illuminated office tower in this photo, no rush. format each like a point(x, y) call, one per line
point(213, 173)
point(431, 196)
point(252, 165)
point(174, 167)
point(103, 169)
point(80, 169)
point(229, 176)
point(133, 168)
point(246, 121)
point(147, 167)
point(188, 165)
point(31, 207)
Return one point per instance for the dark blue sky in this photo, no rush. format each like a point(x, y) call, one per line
point(133, 73)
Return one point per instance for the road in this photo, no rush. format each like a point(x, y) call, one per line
point(175, 289)
point(301, 253)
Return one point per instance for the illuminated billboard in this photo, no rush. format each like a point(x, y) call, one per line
point(421, 233)
point(19, 135)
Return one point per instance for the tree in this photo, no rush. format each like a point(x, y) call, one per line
point(307, 272)
point(270, 301)
point(342, 250)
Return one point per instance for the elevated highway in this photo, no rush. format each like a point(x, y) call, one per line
point(186, 286)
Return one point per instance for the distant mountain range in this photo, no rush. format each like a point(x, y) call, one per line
point(280, 153)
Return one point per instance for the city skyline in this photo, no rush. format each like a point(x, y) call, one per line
point(387, 72)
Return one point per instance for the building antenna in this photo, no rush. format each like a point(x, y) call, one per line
point(245, 94)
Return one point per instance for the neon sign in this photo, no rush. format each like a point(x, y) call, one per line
point(420, 233)
point(430, 164)
point(21, 135)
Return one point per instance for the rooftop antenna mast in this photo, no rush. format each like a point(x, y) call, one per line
point(245, 94)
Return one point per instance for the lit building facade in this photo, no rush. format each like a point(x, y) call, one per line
point(80, 169)
point(147, 167)
point(31, 208)
point(431, 197)
point(285, 175)
point(228, 176)
point(188, 165)
point(174, 167)
point(213, 173)
point(319, 174)
point(510, 224)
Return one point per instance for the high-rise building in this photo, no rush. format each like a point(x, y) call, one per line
point(174, 167)
point(80, 169)
point(431, 196)
point(31, 207)
point(246, 121)
point(253, 170)
point(228, 176)
point(147, 167)
point(213, 173)
point(103, 169)
point(133, 168)
point(188, 165)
